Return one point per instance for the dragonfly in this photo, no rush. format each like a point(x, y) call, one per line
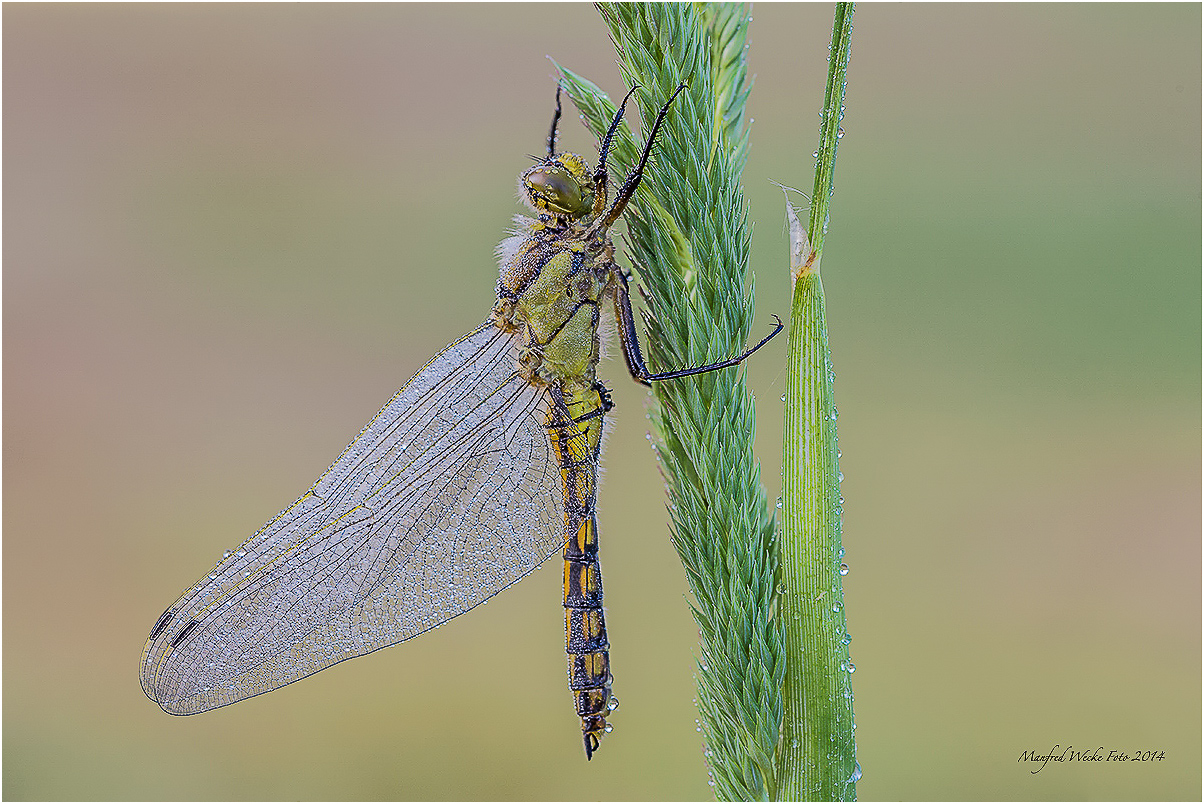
point(481, 468)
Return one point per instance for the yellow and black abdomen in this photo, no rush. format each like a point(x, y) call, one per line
point(576, 439)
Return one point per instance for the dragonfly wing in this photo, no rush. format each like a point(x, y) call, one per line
point(448, 496)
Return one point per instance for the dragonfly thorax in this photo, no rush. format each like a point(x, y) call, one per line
point(562, 186)
point(552, 286)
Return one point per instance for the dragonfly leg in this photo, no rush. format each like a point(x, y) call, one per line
point(631, 342)
point(633, 179)
point(600, 178)
point(608, 404)
point(627, 335)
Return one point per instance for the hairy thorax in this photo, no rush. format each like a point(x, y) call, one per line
point(553, 280)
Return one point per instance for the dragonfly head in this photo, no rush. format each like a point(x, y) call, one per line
point(560, 185)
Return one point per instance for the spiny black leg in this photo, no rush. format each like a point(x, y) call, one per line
point(600, 178)
point(567, 417)
point(606, 407)
point(633, 178)
point(608, 404)
point(555, 123)
point(631, 342)
point(600, 173)
point(731, 361)
point(628, 338)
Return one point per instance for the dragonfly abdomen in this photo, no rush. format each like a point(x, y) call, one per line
point(585, 639)
point(575, 432)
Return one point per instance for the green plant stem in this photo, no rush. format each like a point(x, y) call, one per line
point(687, 235)
point(817, 754)
point(829, 129)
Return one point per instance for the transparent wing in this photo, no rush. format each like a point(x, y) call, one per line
point(448, 496)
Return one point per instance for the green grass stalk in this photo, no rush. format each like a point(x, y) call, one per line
point(817, 756)
point(687, 236)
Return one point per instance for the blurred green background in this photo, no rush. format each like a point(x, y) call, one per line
point(231, 232)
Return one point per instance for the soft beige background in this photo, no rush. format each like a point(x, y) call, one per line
point(232, 231)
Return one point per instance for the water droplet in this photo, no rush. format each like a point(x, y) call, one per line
point(783, 397)
point(614, 703)
point(844, 569)
point(835, 607)
point(852, 667)
point(227, 554)
point(609, 728)
point(840, 477)
point(839, 132)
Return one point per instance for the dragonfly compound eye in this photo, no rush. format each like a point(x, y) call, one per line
point(555, 188)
